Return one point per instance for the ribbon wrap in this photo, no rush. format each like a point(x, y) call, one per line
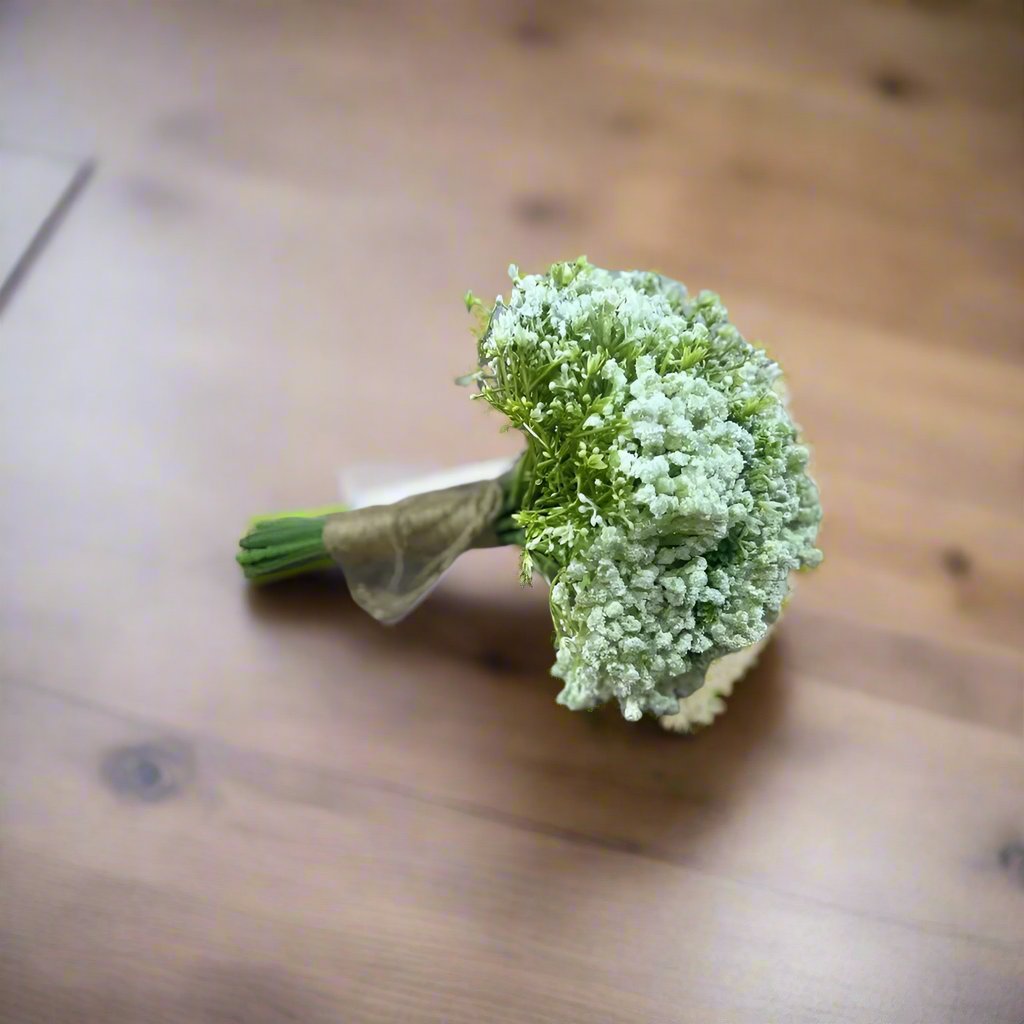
point(394, 555)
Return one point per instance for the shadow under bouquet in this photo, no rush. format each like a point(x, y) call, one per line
point(663, 492)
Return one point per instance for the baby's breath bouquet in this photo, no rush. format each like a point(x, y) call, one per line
point(663, 492)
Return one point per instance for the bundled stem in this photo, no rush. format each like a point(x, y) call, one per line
point(287, 544)
point(291, 544)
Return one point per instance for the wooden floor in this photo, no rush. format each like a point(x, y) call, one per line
point(224, 806)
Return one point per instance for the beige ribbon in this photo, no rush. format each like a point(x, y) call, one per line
point(394, 555)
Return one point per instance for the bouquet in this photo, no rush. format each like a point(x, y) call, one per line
point(662, 493)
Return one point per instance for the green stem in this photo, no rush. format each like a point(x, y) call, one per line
point(285, 544)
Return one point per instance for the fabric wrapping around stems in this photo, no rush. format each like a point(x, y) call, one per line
point(394, 555)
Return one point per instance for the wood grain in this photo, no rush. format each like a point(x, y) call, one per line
point(225, 805)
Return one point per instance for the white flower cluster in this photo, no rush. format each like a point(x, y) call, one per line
point(667, 495)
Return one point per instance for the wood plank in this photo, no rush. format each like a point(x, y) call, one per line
point(509, 729)
point(382, 872)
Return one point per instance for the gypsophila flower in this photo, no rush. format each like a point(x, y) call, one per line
point(664, 490)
